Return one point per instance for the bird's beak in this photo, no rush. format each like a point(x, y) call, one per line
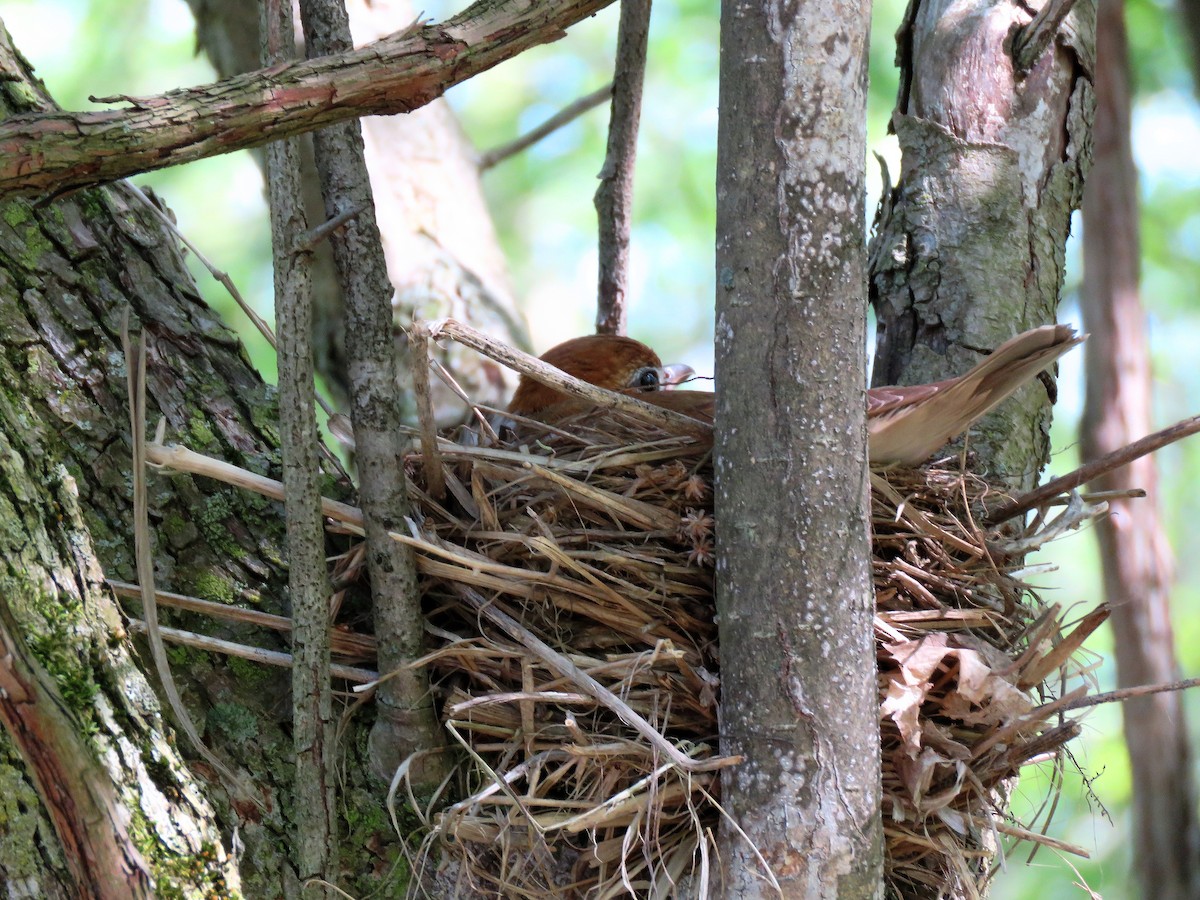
point(675, 374)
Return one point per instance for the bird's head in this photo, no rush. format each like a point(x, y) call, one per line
point(605, 360)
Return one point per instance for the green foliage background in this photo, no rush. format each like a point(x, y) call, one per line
point(542, 202)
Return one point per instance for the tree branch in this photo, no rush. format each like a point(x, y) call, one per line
point(405, 722)
point(316, 840)
point(49, 153)
point(1032, 40)
point(614, 197)
point(563, 117)
point(1092, 470)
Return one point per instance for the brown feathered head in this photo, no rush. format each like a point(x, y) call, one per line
point(605, 360)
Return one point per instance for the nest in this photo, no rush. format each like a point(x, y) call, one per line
point(581, 558)
point(567, 577)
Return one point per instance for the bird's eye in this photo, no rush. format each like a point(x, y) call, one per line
point(646, 379)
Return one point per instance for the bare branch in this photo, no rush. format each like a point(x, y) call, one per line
point(614, 197)
point(51, 152)
point(1092, 470)
point(322, 231)
point(561, 118)
point(1129, 693)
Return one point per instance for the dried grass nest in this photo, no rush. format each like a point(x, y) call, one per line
point(585, 552)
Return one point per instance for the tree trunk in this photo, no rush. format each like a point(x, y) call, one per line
point(794, 597)
point(67, 271)
point(1134, 552)
point(970, 244)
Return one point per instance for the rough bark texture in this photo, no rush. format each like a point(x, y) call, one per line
point(969, 245)
point(794, 597)
point(316, 848)
point(405, 719)
point(129, 818)
point(67, 270)
point(1135, 555)
point(442, 252)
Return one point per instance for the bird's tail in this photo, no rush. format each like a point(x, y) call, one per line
point(908, 425)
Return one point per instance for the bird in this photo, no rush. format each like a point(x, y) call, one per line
point(609, 361)
point(906, 424)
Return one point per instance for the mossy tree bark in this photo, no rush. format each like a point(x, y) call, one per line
point(68, 269)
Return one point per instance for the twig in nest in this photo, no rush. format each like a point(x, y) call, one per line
point(564, 668)
point(1095, 469)
point(181, 459)
point(1077, 512)
point(245, 651)
point(561, 381)
point(345, 643)
point(449, 381)
point(431, 459)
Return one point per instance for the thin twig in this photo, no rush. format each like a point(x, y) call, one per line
point(322, 231)
point(218, 275)
point(614, 197)
point(1129, 693)
point(1095, 469)
point(564, 668)
point(181, 459)
point(561, 118)
point(344, 643)
point(431, 458)
point(245, 651)
point(1032, 40)
point(1077, 512)
point(449, 381)
point(546, 374)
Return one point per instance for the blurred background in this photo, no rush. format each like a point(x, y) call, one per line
point(542, 204)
